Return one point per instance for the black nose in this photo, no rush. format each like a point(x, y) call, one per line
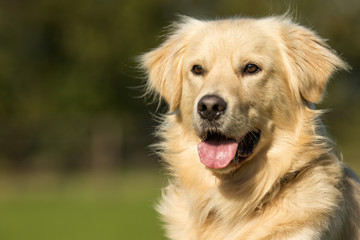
point(211, 107)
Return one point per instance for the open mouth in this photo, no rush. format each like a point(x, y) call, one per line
point(217, 151)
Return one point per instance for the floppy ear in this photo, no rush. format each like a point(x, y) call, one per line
point(164, 64)
point(312, 61)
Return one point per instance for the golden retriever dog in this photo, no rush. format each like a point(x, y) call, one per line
point(248, 157)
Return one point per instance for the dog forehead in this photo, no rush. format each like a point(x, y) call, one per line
point(229, 37)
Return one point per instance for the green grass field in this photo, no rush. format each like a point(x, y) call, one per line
point(118, 206)
point(88, 207)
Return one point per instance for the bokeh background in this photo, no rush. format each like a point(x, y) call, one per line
point(74, 131)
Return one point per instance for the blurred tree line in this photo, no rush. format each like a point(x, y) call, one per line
point(69, 86)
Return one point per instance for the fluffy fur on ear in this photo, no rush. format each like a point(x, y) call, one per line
point(311, 60)
point(163, 64)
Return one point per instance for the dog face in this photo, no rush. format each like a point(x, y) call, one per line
point(239, 83)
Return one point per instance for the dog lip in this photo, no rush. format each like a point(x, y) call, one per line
point(245, 140)
point(214, 134)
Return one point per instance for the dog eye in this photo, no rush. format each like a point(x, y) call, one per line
point(197, 70)
point(251, 69)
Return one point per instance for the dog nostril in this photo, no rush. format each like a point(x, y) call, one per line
point(202, 107)
point(211, 107)
point(219, 108)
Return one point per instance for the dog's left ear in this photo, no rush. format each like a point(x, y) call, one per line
point(312, 61)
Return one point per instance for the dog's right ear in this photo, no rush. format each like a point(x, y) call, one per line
point(163, 65)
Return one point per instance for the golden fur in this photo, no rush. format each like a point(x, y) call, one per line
point(292, 186)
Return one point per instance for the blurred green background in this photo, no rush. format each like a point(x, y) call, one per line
point(74, 162)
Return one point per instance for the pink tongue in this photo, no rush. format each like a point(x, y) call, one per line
point(217, 153)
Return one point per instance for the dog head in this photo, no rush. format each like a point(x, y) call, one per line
point(236, 82)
